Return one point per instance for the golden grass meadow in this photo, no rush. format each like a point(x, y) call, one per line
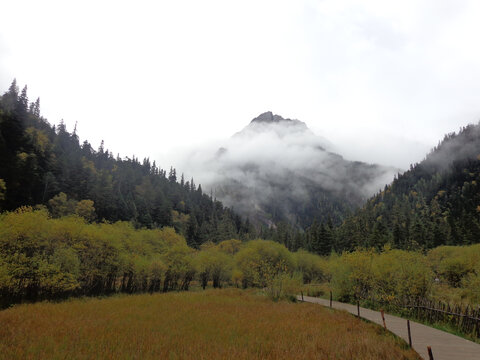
point(214, 324)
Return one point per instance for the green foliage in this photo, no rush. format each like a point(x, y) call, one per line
point(85, 209)
point(434, 203)
point(259, 261)
point(32, 266)
point(44, 164)
point(60, 206)
point(391, 275)
point(44, 258)
point(401, 275)
point(312, 267)
point(471, 287)
point(452, 264)
point(352, 274)
point(213, 264)
point(448, 273)
point(230, 247)
point(48, 258)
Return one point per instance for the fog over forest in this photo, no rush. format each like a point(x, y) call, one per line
point(277, 160)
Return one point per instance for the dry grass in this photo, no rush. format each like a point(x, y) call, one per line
point(216, 324)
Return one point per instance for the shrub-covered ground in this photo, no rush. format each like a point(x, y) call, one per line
point(447, 273)
point(53, 258)
point(215, 324)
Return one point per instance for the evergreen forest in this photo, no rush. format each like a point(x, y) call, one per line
point(77, 221)
point(436, 202)
point(45, 165)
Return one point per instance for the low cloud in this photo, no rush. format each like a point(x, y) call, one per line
point(280, 161)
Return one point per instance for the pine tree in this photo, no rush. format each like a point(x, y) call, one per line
point(172, 175)
point(325, 240)
point(192, 231)
point(37, 108)
point(10, 98)
point(22, 104)
point(313, 238)
point(34, 108)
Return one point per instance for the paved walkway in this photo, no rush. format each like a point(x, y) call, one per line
point(444, 346)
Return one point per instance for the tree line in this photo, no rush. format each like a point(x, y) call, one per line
point(40, 162)
point(67, 184)
point(43, 257)
point(436, 202)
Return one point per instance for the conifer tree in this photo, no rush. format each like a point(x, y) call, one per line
point(22, 104)
point(10, 98)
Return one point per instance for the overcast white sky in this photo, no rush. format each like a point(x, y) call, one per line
point(383, 80)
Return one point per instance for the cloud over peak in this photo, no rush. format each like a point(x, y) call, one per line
point(275, 165)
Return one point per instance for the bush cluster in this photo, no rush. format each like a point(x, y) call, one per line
point(49, 258)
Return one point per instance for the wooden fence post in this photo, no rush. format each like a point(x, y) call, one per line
point(302, 294)
point(430, 354)
point(409, 334)
point(358, 308)
point(383, 318)
point(330, 299)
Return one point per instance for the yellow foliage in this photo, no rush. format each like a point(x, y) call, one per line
point(39, 138)
point(23, 156)
point(260, 260)
point(67, 255)
point(230, 247)
point(314, 268)
point(44, 257)
point(85, 209)
point(389, 275)
point(88, 164)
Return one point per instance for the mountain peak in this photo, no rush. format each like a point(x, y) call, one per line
point(268, 117)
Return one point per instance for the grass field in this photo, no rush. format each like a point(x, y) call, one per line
point(215, 324)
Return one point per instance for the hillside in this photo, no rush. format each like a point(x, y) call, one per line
point(277, 170)
point(436, 202)
point(45, 164)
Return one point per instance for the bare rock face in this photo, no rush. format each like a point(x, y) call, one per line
point(268, 122)
point(267, 117)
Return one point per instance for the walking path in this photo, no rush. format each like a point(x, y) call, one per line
point(444, 346)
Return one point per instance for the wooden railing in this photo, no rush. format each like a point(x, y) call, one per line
point(464, 318)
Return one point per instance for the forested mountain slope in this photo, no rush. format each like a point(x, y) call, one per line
point(277, 170)
point(41, 163)
point(436, 202)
